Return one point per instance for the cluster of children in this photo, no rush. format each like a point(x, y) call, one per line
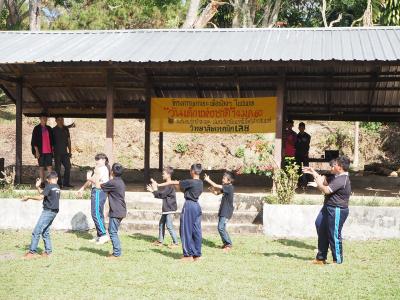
point(106, 183)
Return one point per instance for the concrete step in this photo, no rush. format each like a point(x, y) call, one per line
point(152, 226)
point(207, 201)
point(239, 217)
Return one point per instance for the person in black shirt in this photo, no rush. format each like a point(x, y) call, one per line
point(190, 225)
point(330, 220)
point(169, 207)
point(302, 148)
point(51, 198)
point(62, 152)
point(226, 207)
point(115, 188)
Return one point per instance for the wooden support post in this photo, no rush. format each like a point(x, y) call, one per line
point(161, 151)
point(110, 117)
point(18, 132)
point(147, 133)
point(280, 95)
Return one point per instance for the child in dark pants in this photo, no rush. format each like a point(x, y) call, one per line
point(169, 207)
point(330, 220)
point(226, 208)
point(115, 188)
point(51, 199)
point(190, 227)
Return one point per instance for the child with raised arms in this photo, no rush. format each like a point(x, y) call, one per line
point(51, 199)
point(190, 223)
point(100, 175)
point(226, 207)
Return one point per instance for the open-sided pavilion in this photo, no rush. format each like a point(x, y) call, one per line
point(316, 74)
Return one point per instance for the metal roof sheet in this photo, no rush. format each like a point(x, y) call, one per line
point(278, 44)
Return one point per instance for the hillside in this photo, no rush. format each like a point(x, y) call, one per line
point(215, 151)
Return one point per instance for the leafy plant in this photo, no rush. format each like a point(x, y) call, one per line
point(371, 126)
point(239, 152)
point(285, 181)
point(181, 147)
point(7, 183)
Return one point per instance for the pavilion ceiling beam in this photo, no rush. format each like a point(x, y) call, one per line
point(8, 94)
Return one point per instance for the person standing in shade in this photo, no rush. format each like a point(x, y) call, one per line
point(330, 220)
point(302, 149)
point(42, 144)
point(62, 152)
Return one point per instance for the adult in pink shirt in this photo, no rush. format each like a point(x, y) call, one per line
point(290, 139)
point(43, 146)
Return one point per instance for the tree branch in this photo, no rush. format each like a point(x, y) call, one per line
point(336, 21)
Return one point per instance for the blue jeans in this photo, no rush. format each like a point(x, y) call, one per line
point(167, 220)
point(222, 231)
point(42, 228)
point(113, 231)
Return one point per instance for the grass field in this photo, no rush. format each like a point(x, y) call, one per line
point(257, 268)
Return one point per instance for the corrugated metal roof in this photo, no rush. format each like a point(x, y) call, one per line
point(288, 44)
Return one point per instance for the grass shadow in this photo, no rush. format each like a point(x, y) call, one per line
point(173, 255)
point(209, 243)
point(287, 255)
point(95, 251)
point(295, 243)
point(143, 237)
point(81, 234)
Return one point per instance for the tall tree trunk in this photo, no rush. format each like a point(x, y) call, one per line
point(191, 16)
point(271, 13)
point(1, 5)
point(34, 15)
point(236, 14)
point(207, 14)
point(13, 18)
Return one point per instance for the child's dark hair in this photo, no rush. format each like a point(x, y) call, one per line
point(103, 156)
point(302, 124)
point(342, 161)
point(196, 168)
point(52, 175)
point(169, 170)
point(230, 176)
point(117, 169)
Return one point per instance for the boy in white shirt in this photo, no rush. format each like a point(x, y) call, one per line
point(100, 175)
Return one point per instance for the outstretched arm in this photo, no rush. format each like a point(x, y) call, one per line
point(172, 182)
point(320, 180)
point(38, 198)
point(212, 183)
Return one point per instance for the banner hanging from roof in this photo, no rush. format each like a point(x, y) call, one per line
point(213, 115)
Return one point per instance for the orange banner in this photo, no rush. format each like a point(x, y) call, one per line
point(213, 115)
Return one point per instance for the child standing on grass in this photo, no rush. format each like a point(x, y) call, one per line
point(51, 198)
point(190, 227)
point(169, 207)
point(116, 199)
point(226, 207)
point(99, 176)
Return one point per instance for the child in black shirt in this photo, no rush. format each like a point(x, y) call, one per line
point(190, 225)
point(51, 198)
point(226, 208)
point(116, 199)
point(169, 207)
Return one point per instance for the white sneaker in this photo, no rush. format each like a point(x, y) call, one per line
point(94, 240)
point(103, 239)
